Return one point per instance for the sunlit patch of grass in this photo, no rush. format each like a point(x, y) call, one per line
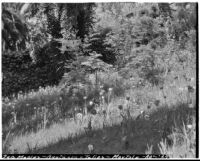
point(45, 136)
point(68, 128)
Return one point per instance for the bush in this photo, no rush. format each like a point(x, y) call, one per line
point(20, 73)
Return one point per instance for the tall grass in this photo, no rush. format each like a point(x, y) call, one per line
point(43, 116)
point(184, 142)
point(51, 104)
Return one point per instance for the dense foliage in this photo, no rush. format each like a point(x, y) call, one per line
point(126, 35)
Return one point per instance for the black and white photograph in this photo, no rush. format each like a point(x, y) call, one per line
point(99, 79)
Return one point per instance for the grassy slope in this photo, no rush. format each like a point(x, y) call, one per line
point(109, 140)
point(69, 137)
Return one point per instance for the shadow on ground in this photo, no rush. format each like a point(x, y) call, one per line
point(139, 133)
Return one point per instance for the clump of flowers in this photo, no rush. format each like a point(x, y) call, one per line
point(192, 79)
point(110, 89)
point(101, 86)
point(181, 89)
point(190, 105)
point(101, 92)
point(91, 103)
point(189, 126)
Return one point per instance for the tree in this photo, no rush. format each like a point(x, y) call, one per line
point(14, 27)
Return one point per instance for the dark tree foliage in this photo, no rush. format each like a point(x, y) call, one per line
point(125, 42)
point(50, 58)
point(18, 73)
point(85, 20)
point(14, 29)
point(21, 74)
point(97, 43)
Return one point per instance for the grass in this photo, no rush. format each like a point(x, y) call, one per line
point(161, 129)
point(50, 105)
point(142, 135)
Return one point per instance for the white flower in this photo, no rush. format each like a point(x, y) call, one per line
point(181, 89)
point(79, 116)
point(90, 147)
point(102, 97)
point(190, 105)
point(110, 89)
point(192, 79)
point(91, 103)
point(101, 93)
point(141, 112)
point(84, 97)
point(189, 126)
